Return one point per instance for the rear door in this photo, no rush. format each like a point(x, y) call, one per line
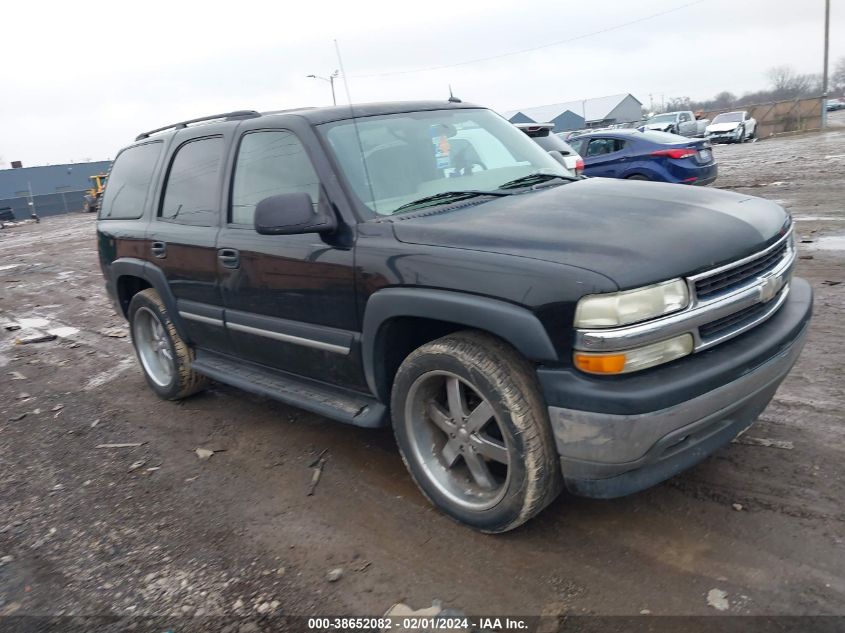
point(605, 157)
point(183, 233)
point(290, 299)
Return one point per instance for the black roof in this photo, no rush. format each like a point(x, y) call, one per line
point(316, 116)
point(338, 113)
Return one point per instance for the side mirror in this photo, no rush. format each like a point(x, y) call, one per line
point(291, 214)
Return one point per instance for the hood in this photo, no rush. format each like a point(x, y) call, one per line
point(723, 127)
point(658, 126)
point(634, 232)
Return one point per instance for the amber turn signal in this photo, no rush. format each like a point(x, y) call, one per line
point(600, 363)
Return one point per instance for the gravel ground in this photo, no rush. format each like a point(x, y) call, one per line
point(152, 529)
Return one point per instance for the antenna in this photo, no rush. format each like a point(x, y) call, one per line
point(453, 98)
point(355, 125)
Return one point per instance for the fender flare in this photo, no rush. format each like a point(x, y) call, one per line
point(132, 267)
point(516, 325)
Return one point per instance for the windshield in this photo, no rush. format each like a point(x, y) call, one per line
point(662, 118)
point(729, 117)
point(396, 159)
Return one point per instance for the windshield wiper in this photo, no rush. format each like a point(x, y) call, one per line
point(532, 179)
point(446, 197)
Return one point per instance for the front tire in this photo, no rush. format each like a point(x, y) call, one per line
point(473, 431)
point(637, 177)
point(164, 356)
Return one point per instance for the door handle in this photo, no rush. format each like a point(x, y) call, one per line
point(229, 257)
point(159, 249)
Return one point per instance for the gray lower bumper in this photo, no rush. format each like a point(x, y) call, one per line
point(606, 455)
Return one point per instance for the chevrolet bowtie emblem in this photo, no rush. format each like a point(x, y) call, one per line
point(770, 287)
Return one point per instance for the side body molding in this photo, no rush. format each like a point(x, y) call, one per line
point(129, 266)
point(517, 325)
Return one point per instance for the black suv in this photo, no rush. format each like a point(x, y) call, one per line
point(428, 265)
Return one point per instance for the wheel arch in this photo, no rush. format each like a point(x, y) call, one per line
point(132, 275)
point(398, 320)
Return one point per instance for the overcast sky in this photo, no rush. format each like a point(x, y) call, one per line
point(80, 80)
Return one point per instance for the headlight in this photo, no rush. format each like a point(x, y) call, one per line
point(634, 359)
point(631, 306)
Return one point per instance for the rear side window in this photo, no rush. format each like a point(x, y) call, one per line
point(129, 181)
point(270, 163)
point(190, 196)
point(602, 146)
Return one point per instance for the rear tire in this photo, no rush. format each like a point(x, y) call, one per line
point(473, 431)
point(164, 356)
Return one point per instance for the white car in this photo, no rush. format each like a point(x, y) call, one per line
point(732, 127)
point(554, 144)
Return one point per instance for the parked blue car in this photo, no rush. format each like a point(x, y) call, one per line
point(648, 155)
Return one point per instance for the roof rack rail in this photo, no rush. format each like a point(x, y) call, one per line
point(237, 114)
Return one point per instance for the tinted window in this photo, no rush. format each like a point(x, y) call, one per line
point(191, 193)
point(602, 146)
point(270, 163)
point(129, 181)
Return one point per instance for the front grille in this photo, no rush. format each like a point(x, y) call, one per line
point(731, 322)
point(736, 277)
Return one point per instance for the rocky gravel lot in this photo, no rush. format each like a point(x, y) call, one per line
point(106, 509)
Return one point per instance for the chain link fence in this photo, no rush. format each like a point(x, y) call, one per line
point(45, 204)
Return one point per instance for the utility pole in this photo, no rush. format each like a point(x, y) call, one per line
point(824, 72)
point(330, 79)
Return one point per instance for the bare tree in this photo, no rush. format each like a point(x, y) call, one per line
point(724, 99)
point(678, 103)
point(787, 84)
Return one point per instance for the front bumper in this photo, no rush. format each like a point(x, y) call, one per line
point(722, 137)
point(623, 434)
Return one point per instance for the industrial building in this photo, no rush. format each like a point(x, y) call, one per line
point(51, 189)
point(579, 115)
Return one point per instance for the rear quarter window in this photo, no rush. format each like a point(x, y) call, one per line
point(129, 181)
